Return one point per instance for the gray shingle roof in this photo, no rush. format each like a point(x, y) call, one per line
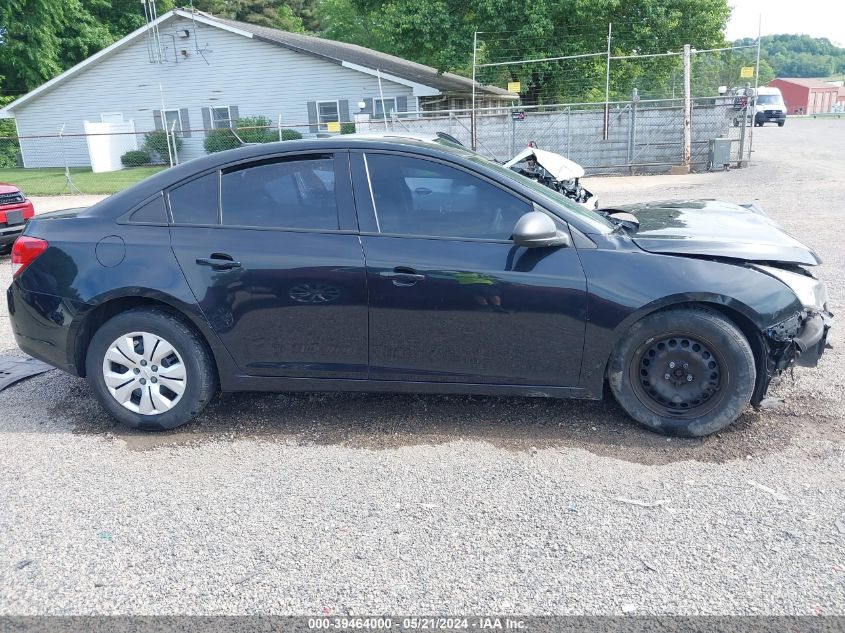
point(339, 52)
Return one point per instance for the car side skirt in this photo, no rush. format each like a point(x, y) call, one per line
point(264, 383)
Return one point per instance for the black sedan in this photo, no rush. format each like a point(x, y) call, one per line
point(403, 265)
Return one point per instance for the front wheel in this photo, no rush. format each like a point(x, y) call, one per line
point(150, 370)
point(687, 372)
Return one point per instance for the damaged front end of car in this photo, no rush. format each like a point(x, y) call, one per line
point(801, 338)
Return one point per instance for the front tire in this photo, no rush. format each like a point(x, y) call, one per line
point(687, 372)
point(150, 370)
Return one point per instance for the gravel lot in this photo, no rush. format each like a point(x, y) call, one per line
point(310, 504)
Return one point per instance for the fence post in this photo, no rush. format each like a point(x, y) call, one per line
point(687, 109)
point(749, 107)
point(174, 158)
point(472, 132)
point(606, 133)
point(280, 127)
point(513, 132)
point(632, 130)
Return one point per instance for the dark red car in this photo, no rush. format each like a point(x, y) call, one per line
point(15, 210)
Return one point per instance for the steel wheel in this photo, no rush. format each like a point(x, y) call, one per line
point(144, 373)
point(678, 375)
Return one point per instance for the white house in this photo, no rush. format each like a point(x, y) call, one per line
point(198, 72)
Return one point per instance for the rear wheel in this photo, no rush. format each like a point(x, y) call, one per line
point(687, 372)
point(150, 370)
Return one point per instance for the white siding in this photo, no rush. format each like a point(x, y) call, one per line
point(257, 77)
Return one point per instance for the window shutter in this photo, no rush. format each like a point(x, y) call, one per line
point(368, 107)
point(234, 116)
point(157, 120)
point(312, 116)
point(206, 119)
point(401, 104)
point(186, 122)
point(343, 110)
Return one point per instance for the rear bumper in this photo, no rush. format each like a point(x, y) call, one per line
point(43, 326)
point(9, 233)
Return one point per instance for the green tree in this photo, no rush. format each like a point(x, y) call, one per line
point(800, 55)
point(440, 33)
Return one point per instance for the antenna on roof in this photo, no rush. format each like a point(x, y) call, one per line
point(153, 35)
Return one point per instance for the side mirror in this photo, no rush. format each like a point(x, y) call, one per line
point(628, 220)
point(537, 230)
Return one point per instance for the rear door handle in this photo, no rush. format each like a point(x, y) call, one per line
point(219, 261)
point(402, 276)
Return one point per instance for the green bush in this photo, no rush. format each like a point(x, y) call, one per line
point(347, 128)
point(252, 129)
point(220, 140)
point(256, 129)
point(136, 158)
point(155, 143)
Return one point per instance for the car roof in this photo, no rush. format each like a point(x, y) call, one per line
point(122, 202)
point(169, 177)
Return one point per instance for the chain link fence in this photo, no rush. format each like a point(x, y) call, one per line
point(623, 137)
point(643, 136)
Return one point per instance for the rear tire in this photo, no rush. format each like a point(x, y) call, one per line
point(781, 123)
point(150, 370)
point(687, 372)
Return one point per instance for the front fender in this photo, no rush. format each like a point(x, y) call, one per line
point(626, 285)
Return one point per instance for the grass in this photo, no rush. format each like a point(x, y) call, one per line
point(51, 181)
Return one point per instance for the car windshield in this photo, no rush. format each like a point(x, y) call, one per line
point(769, 100)
point(596, 220)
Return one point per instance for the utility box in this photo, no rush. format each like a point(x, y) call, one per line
point(720, 153)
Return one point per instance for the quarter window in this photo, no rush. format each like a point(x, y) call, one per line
point(153, 212)
point(413, 196)
point(196, 201)
point(294, 194)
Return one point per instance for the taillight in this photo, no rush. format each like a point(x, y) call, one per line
point(25, 251)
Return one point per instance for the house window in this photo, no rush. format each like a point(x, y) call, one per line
point(327, 112)
point(111, 117)
point(171, 117)
point(221, 117)
point(383, 106)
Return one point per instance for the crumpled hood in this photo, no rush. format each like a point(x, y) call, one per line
point(715, 228)
point(559, 167)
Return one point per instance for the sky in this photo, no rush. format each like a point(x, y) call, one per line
point(819, 18)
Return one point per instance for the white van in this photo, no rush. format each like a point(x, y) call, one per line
point(768, 106)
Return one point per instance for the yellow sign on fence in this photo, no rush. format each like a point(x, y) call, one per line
point(747, 72)
point(514, 86)
point(333, 126)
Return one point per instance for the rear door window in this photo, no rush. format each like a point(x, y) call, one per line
point(296, 193)
point(195, 202)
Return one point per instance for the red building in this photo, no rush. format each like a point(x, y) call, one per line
point(806, 96)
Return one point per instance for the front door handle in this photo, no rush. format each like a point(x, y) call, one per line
point(402, 276)
point(219, 261)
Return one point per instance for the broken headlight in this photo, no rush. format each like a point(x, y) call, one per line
point(810, 291)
